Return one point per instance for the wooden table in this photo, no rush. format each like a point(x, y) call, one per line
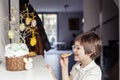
point(38, 72)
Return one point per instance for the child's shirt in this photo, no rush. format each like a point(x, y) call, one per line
point(90, 72)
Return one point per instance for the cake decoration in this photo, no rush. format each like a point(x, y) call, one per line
point(28, 63)
point(11, 34)
point(22, 26)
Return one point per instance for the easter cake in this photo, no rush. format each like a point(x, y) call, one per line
point(14, 55)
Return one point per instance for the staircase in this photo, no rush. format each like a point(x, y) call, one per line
point(116, 2)
point(111, 60)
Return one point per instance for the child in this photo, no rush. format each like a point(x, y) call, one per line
point(87, 47)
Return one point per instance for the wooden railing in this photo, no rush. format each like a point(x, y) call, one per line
point(107, 21)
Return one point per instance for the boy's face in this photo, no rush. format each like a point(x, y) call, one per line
point(79, 53)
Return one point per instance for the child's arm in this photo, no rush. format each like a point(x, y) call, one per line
point(51, 71)
point(64, 66)
point(65, 76)
point(70, 78)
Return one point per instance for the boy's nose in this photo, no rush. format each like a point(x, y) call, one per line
point(74, 50)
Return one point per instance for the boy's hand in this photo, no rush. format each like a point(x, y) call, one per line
point(49, 68)
point(64, 60)
point(51, 71)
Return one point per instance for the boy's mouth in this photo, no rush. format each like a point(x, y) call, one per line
point(75, 54)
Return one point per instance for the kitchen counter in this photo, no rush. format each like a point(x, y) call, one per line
point(38, 71)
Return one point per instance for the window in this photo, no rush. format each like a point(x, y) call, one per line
point(50, 25)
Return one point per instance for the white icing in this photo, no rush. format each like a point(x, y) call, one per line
point(16, 50)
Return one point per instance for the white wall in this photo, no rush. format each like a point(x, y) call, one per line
point(4, 26)
point(117, 2)
point(4, 23)
point(109, 9)
point(91, 15)
point(64, 34)
point(15, 5)
point(110, 30)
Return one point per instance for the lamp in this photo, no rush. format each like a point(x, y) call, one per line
point(66, 6)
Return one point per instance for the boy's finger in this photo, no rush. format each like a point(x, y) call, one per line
point(66, 55)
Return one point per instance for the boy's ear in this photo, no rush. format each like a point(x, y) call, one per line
point(90, 54)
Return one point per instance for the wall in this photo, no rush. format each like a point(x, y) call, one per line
point(4, 25)
point(110, 30)
point(91, 15)
point(117, 2)
point(16, 14)
point(64, 34)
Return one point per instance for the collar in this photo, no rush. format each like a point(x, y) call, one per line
point(86, 68)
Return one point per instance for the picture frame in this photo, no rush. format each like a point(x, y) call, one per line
point(74, 24)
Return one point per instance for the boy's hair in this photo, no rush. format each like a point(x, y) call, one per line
point(91, 43)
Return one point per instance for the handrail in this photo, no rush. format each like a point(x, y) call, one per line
point(93, 29)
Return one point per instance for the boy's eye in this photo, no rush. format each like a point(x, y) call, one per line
point(76, 47)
